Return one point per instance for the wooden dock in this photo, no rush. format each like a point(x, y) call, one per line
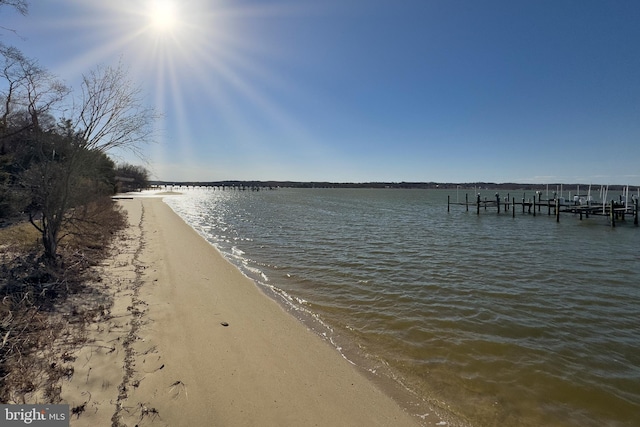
point(581, 206)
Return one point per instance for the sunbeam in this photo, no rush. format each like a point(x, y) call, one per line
point(211, 54)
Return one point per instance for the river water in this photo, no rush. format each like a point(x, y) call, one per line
point(493, 320)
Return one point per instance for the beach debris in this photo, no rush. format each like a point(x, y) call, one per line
point(151, 349)
point(177, 388)
point(77, 410)
point(146, 411)
point(224, 323)
point(153, 370)
point(67, 357)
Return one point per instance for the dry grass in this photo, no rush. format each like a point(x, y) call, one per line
point(21, 236)
point(33, 313)
point(94, 225)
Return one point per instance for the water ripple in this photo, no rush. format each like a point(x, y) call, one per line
point(511, 321)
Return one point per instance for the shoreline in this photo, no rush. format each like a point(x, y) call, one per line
point(190, 340)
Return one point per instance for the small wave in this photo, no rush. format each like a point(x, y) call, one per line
point(454, 305)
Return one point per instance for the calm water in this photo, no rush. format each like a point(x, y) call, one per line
point(495, 320)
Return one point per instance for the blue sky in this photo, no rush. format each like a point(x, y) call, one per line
point(377, 90)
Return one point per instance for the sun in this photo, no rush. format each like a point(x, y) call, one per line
point(163, 15)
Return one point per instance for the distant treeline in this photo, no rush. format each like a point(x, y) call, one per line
point(403, 185)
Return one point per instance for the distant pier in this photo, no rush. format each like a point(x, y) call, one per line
point(212, 187)
point(583, 206)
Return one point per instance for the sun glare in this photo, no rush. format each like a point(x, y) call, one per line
point(181, 49)
point(163, 15)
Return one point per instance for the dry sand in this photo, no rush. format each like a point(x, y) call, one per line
point(190, 341)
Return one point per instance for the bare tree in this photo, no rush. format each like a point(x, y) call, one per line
point(112, 114)
point(49, 182)
point(11, 58)
point(20, 5)
point(65, 179)
point(66, 168)
point(29, 87)
point(43, 91)
point(29, 96)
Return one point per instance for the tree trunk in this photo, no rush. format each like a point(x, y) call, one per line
point(50, 243)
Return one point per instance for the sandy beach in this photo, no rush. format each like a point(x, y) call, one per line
point(190, 341)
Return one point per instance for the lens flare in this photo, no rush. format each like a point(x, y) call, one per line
point(207, 66)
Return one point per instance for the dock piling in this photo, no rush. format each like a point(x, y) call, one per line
point(578, 206)
point(613, 213)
